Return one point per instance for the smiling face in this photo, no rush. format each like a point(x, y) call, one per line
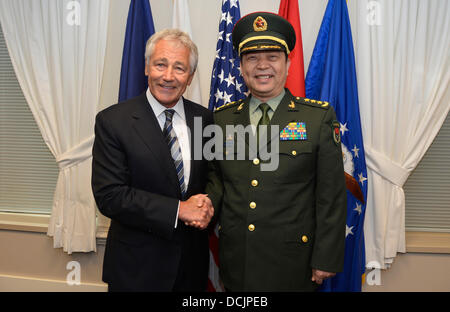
point(168, 71)
point(265, 73)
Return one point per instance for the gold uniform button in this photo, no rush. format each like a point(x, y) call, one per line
point(294, 153)
point(253, 205)
point(251, 227)
point(256, 161)
point(254, 183)
point(304, 238)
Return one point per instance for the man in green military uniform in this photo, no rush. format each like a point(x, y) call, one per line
point(283, 229)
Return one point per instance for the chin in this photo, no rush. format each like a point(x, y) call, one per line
point(264, 93)
point(167, 102)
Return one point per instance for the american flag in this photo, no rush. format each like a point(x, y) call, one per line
point(227, 85)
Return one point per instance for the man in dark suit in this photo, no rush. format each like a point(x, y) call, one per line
point(144, 177)
point(281, 229)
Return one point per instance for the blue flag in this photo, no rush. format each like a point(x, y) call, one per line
point(139, 28)
point(227, 84)
point(332, 77)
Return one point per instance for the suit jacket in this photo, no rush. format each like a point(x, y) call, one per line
point(135, 184)
point(275, 226)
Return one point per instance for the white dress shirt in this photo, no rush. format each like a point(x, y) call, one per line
point(181, 130)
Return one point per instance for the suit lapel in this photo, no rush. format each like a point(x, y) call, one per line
point(189, 115)
point(147, 127)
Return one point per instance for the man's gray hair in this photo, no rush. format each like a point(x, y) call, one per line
point(173, 34)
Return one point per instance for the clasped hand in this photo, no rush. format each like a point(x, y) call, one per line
point(197, 211)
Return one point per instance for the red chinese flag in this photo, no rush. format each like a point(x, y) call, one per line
point(296, 78)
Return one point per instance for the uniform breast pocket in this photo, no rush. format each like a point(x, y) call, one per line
point(299, 242)
point(296, 163)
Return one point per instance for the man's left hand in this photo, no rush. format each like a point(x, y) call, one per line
point(318, 276)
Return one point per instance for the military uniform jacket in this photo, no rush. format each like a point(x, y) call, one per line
point(275, 226)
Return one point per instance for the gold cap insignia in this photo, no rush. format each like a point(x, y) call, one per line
point(292, 105)
point(260, 24)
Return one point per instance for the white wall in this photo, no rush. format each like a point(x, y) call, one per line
point(31, 263)
point(412, 272)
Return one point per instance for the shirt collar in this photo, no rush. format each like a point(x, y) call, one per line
point(273, 103)
point(159, 109)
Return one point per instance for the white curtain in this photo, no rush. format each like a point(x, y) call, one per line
point(181, 20)
point(403, 67)
point(57, 48)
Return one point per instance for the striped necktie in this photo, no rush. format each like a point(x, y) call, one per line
point(174, 146)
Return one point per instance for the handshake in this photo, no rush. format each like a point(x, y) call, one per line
point(197, 211)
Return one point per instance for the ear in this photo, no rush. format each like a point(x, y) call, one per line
point(147, 62)
point(191, 76)
point(288, 62)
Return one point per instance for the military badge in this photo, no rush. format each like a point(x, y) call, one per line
point(336, 131)
point(260, 24)
point(294, 131)
point(292, 105)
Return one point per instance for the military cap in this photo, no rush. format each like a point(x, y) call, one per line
point(260, 31)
